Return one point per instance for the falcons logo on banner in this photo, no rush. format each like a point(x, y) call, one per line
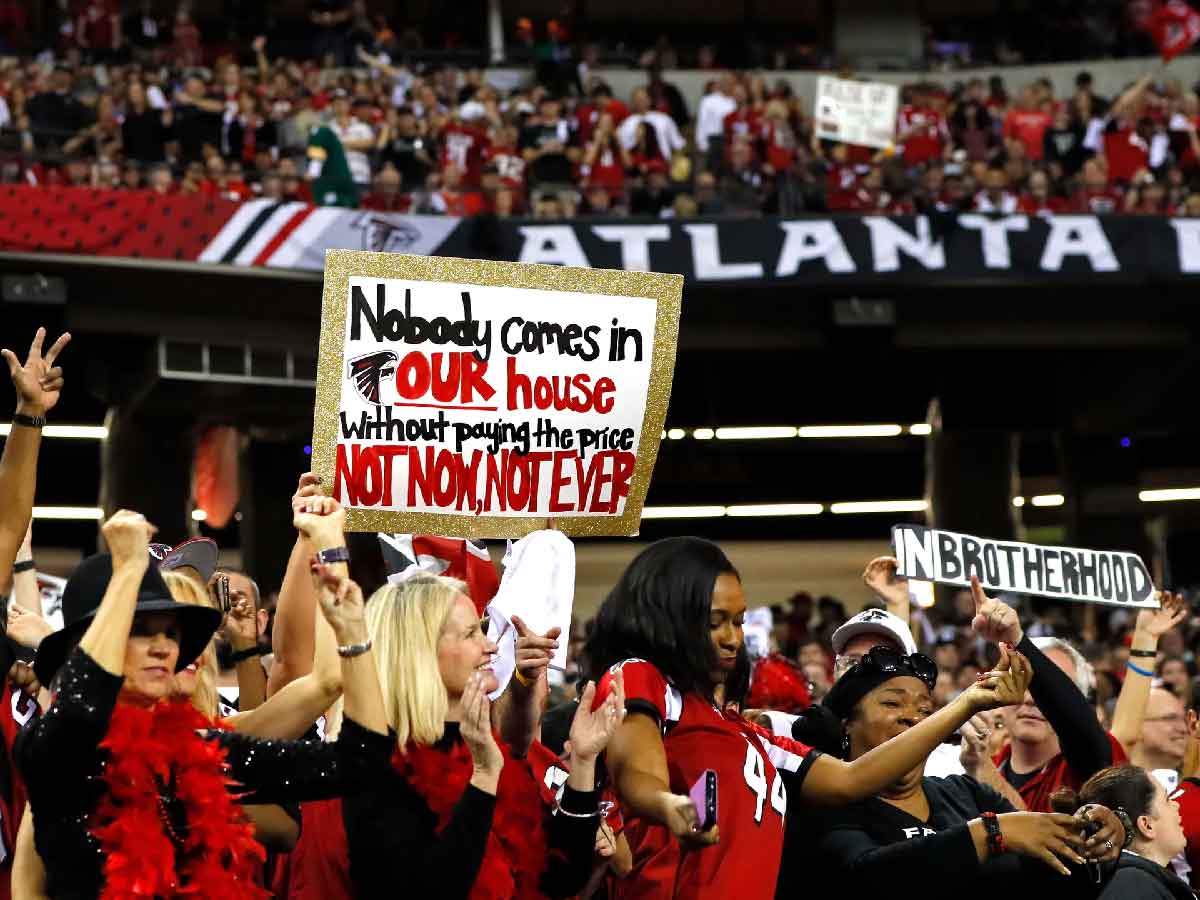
point(369, 373)
point(406, 555)
point(1175, 26)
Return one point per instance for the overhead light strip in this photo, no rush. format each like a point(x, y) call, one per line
point(85, 432)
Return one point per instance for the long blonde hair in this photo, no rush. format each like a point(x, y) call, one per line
point(186, 589)
point(405, 622)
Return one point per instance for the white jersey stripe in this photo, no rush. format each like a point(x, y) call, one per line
point(232, 230)
point(263, 236)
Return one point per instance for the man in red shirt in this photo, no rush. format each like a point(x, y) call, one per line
point(455, 198)
point(98, 29)
point(1027, 123)
point(588, 115)
point(502, 155)
point(921, 129)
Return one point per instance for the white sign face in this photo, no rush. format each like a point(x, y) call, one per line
point(472, 401)
point(856, 112)
point(1090, 576)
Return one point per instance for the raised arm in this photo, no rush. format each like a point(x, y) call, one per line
point(24, 588)
point(1125, 104)
point(240, 629)
point(1152, 624)
point(834, 782)
point(880, 576)
point(291, 712)
point(519, 708)
point(292, 637)
point(38, 383)
point(1084, 744)
point(128, 537)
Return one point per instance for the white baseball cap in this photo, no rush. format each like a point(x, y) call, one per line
point(875, 621)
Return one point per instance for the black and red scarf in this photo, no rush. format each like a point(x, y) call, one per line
point(213, 853)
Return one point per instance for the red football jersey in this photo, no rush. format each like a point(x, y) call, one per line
point(751, 797)
point(928, 134)
point(463, 145)
point(1187, 795)
point(16, 708)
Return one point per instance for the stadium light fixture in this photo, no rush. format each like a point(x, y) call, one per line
point(878, 506)
point(1048, 500)
point(1167, 494)
point(703, 434)
point(774, 509)
point(199, 515)
point(920, 429)
point(77, 513)
point(86, 432)
point(848, 431)
point(756, 433)
point(682, 512)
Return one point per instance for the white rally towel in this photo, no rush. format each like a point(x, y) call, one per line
point(539, 587)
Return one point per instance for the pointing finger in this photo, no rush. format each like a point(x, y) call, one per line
point(57, 347)
point(35, 347)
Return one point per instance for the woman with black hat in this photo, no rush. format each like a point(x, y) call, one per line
point(132, 795)
point(973, 837)
point(673, 626)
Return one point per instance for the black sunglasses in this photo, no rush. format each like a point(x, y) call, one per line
point(892, 662)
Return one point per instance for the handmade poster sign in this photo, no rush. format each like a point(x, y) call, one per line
point(1090, 576)
point(856, 112)
point(478, 399)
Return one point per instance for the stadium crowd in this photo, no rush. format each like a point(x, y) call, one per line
point(140, 103)
point(178, 735)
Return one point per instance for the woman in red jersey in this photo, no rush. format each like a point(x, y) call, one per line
point(673, 627)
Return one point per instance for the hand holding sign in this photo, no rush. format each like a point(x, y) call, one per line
point(994, 620)
point(880, 576)
point(1157, 622)
point(1005, 685)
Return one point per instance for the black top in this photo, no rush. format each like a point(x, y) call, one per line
point(392, 838)
point(144, 135)
point(874, 849)
point(195, 127)
point(1084, 744)
point(1138, 878)
point(60, 758)
point(552, 167)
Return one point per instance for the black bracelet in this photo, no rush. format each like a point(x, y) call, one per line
point(23, 566)
point(249, 653)
point(1147, 654)
point(28, 421)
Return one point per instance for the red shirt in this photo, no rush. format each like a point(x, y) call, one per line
point(752, 800)
point(1127, 154)
point(1187, 795)
point(841, 189)
point(743, 122)
point(385, 202)
point(463, 145)
point(97, 18)
point(607, 171)
point(510, 165)
point(1037, 790)
point(780, 141)
point(1029, 127)
point(15, 710)
point(929, 134)
point(1098, 201)
point(462, 203)
point(589, 114)
point(1031, 206)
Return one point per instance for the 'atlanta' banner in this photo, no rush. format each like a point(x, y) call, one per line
point(1090, 576)
point(847, 250)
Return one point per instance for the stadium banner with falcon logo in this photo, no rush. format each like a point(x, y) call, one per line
point(846, 250)
point(473, 399)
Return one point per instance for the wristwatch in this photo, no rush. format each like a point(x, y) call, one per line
point(334, 555)
point(29, 421)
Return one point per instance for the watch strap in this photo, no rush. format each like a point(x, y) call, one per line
point(241, 656)
point(334, 555)
point(28, 421)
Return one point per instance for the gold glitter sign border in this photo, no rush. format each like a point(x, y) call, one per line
point(342, 265)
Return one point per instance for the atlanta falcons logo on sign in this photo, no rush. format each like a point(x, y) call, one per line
point(386, 235)
point(372, 371)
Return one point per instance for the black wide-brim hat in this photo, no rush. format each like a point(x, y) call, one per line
point(81, 600)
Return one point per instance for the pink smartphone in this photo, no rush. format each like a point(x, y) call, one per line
point(704, 798)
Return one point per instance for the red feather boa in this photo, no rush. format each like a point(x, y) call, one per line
point(219, 851)
point(516, 852)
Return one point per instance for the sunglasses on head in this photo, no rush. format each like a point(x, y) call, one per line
point(893, 662)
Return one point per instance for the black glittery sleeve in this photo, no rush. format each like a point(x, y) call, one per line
point(297, 771)
point(57, 752)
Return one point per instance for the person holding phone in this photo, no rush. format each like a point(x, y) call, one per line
point(671, 630)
